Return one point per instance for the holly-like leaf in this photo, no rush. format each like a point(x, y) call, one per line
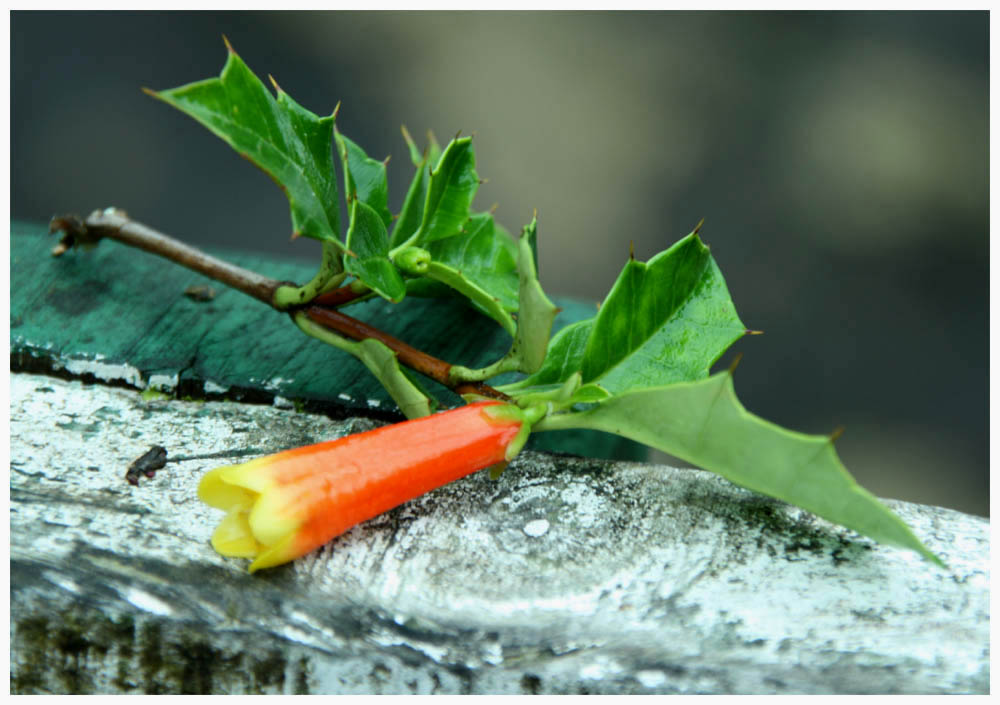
point(704, 423)
point(533, 327)
point(563, 358)
point(431, 155)
point(412, 213)
point(416, 156)
point(479, 263)
point(530, 236)
point(368, 240)
point(365, 177)
point(438, 201)
point(434, 151)
point(291, 144)
point(453, 185)
point(664, 321)
point(536, 312)
point(477, 296)
point(485, 254)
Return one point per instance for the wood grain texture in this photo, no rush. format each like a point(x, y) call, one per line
point(566, 575)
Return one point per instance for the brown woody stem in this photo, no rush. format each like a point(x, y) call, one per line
point(338, 297)
point(359, 330)
point(116, 225)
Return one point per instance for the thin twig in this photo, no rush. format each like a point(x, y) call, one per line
point(425, 364)
point(338, 297)
point(116, 225)
point(359, 330)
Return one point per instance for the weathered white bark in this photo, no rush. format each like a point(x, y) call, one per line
point(567, 575)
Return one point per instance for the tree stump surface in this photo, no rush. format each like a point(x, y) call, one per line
point(566, 575)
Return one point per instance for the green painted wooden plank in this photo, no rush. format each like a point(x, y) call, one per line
point(121, 314)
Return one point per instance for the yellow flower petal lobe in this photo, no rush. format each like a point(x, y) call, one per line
point(272, 518)
point(285, 550)
point(215, 491)
point(233, 537)
point(255, 475)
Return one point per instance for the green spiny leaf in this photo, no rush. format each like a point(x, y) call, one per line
point(434, 151)
point(704, 423)
point(664, 321)
point(485, 254)
point(416, 156)
point(530, 236)
point(563, 358)
point(369, 241)
point(412, 213)
point(535, 316)
point(535, 311)
point(431, 155)
point(365, 177)
point(453, 185)
point(479, 297)
point(291, 144)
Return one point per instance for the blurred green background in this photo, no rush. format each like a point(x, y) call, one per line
point(840, 162)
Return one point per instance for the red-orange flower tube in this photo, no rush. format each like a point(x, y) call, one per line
point(284, 505)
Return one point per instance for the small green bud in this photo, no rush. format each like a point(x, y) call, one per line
point(413, 260)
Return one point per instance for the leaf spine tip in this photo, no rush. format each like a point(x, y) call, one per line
point(837, 433)
point(483, 181)
point(229, 47)
point(385, 162)
point(749, 331)
point(336, 109)
point(734, 363)
point(406, 133)
point(631, 250)
point(493, 208)
point(295, 235)
point(150, 91)
point(274, 83)
point(458, 134)
point(697, 228)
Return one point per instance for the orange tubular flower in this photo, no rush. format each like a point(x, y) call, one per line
point(284, 505)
